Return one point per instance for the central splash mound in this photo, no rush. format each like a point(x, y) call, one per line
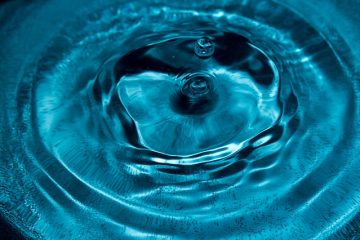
point(184, 104)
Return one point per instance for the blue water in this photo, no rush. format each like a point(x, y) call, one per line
point(179, 120)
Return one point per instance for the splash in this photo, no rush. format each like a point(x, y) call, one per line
point(165, 120)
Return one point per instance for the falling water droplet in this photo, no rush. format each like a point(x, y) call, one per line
point(204, 47)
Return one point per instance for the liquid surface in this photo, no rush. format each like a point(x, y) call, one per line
point(181, 120)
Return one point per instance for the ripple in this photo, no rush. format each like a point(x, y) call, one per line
point(145, 121)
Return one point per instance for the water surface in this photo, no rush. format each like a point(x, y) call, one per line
point(178, 120)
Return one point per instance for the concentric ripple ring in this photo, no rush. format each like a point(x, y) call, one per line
point(161, 120)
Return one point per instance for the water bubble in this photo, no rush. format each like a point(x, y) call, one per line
point(204, 47)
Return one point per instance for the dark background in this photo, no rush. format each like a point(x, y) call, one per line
point(8, 232)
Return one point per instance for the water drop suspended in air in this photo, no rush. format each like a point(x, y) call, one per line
point(204, 47)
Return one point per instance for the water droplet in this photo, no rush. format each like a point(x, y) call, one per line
point(196, 85)
point(204, 47)
point(196, 95)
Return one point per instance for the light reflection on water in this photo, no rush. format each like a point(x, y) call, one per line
point(212, 120)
